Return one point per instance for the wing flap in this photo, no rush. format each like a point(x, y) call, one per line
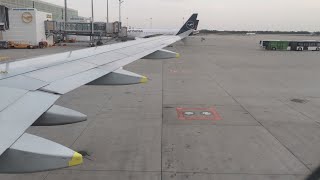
point(9, 96)
point(22, 82)
point(102, 59)
point(54, 73)
point(19, 115)
point(70, 83)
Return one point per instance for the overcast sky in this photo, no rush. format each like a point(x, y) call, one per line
point(213, 14)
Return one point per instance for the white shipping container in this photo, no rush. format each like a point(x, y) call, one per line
point(27, 26)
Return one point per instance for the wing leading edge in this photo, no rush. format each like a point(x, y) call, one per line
point(30, 88)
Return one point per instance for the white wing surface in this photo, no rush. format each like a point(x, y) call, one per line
point(29, 89)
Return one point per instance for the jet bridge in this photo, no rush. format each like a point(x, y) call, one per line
point(100, 29)
point(4, 18)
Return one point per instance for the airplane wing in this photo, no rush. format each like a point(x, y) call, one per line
point(29, 89)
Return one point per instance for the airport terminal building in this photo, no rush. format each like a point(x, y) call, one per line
point(56, 11)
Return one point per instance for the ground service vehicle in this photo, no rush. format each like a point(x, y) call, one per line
point(308, 45)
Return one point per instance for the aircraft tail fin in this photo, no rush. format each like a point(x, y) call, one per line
point(190, 24)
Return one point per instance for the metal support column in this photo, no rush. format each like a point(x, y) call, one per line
point(92, 22)
point(65, 17)
point(120, 2)
point(107, 11)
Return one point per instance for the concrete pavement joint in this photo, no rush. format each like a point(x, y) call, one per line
point(220, 125)
point(82, 132)
point(200, 172)
point(162, 116)
point(179, 172)
point(261, 124)
point(90, 122)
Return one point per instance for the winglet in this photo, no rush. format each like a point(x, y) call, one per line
point(189, 25)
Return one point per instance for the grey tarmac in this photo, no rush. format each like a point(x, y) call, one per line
point(255, 116)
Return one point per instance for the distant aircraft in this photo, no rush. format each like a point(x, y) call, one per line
point(191, 24)
point(29, 89)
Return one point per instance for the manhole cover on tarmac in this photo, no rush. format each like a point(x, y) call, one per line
point(198, 114)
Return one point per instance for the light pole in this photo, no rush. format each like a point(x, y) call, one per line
point(92, 21)
point(65, 11)
point(107, 11)
point(120, 2)
point(65, 17)
point(151, 23)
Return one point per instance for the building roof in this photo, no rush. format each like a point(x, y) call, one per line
point(51, 4)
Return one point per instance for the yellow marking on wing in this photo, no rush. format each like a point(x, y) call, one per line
point(76, 159)
point(143, 79)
